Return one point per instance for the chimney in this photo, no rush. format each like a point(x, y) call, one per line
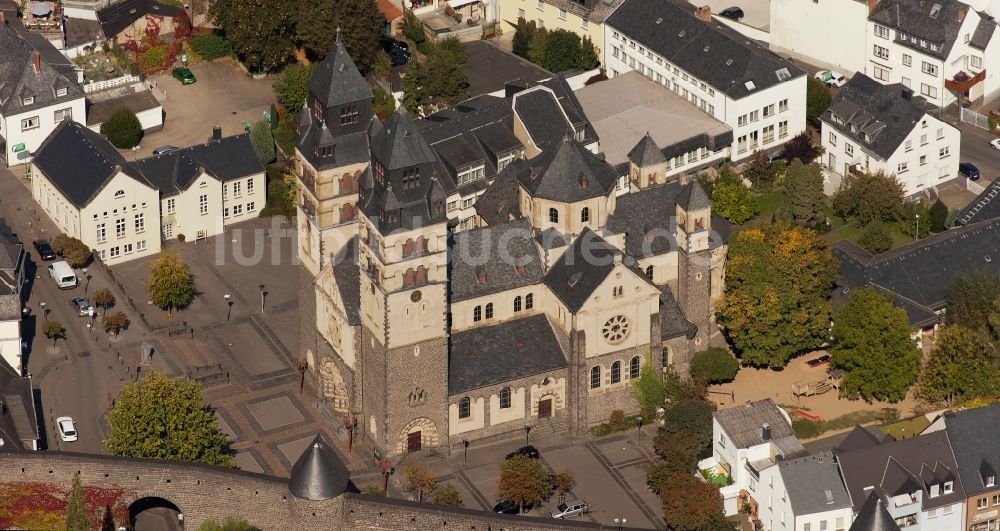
point(3, 18)
point(871, 5)
point(704, 13)
point(906, 93)
point(217, 132)
point(962, 8)
point(765, 432)
point(683, 178)
point(37, 59)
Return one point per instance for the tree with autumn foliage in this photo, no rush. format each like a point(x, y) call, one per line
point(778, 281)
point(262, 32)
point(359, 21)
point(419, 478)
point(690, 504)
point(77, 518)
point(523, 481)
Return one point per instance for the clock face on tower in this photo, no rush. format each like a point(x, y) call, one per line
point(415, 296)
point(616, 329)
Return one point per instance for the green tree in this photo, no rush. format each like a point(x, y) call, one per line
point(76, 253)
point(649, 391)
point(817, 99)
point(588, 59)
point(800, 147)
point(211, 45)
point(915, 218)
point(962, 366)
point(734, 202)
point(292, 88)
point(870, 197)
point(53, 330)
point(446, 494)
point(778, 281)
point(122, 129)
point(686, 434)
point(114, 323)
point(160, 418)
point(871, 341)
point(970, 298)
point(690, 504)
point(875, 238)
point(262, 141)
point(562, 51)
point(439, 82)
point(804, 199)
point(715, 365)
point(419, 478)
point(170, 283)
point(103, 299)
point(261, 32)
point(658, 474)
point(523, 34)
point(229, 524)
point(412, 28)
point(77, 518)
point(523, 481)
point(359, 22)
point(538, 45)
point(384, 104)
point(938, 216)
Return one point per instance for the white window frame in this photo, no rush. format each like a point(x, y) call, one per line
point(30, 123)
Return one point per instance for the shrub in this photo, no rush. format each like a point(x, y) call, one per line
point(805, 429)
point(715, 365)
point(875, 238)
point(211, 45)
point(284, 135)
point(154, 59)
point(292, 87)
point(122, 129)
point(617, 418)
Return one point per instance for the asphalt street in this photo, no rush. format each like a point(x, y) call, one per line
point(976, 146)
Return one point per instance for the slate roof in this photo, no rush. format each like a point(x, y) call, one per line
point(489, 355)
point(880, 111)
point(337, 80)
point(348, 276)
point(938, 22)
point(549, 110)
point(743, 424)
point(12, 257)
point(874, 517)
point(18, 421)
point(984, 32)
point(598, 11)
point(18, 78)
point(581, 269)
point(710, 51)
point(903, 467)
point(646, 152)
point(673, 322)
point(567, 172)
point(506, 254)
point(500, 202)
point(859, 438)
point(120, 15)
point(972, 433)
point(80, 162)
point(99, 111)
point(983, 207)
point(652, 211)
point(489, 68)
point(228, 158)
point(400, 143)
point(319, 474)
point(813, 484)
point(918, 274)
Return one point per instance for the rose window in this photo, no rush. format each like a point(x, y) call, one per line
point(616, 329)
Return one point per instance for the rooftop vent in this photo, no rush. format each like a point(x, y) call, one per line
point(659, 20)
point(765, 432)
point(783, 74)
point(729, 62)
point(681, 34)
point(705, 49)
point(749, 85)
point(988, 258)
point(574, 279)
point(829, 495)
point(935, 9)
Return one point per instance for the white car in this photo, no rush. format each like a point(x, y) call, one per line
point(67, 429)
point(995, 143)
point(831, 78)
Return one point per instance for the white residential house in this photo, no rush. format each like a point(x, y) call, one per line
point(12, 279)
point(804, 494)
point(123, 209)
point(761, 96)
point(746, 440)
point(871, 127)
point(35, 97)
point(938, 48)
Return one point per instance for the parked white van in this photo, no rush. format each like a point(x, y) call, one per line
point(63, 274)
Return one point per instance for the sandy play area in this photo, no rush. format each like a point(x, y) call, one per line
point(757, 384)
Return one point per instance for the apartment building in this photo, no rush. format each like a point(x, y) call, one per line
point(761, 96)
point(973, 440)
point(804, 494)
point(584, 17)
point(872, 127)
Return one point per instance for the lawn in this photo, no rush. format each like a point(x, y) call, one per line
point(851, 231)
point(905, 429)
point(809, 429)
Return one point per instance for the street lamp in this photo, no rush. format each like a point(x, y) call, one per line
point(387, 470)
point(351, 423)
point(87, 286)
point(620, 522)
point(638, 430)
point(527, 430)
point(229, 304)
point(465, 442)
point(263, 294)
point(916, 235)
point(45, 311)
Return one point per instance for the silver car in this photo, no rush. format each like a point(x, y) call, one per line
point(569, 509)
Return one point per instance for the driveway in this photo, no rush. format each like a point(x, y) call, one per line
point(223, 95)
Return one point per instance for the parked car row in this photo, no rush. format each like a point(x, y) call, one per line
point(399, 51)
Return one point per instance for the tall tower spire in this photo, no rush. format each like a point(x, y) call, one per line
point(338, 34)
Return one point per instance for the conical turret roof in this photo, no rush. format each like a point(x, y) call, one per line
point(874, 517)
point(319, 474)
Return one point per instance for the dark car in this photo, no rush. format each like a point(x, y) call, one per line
point(529, 451)
point(45, 251)
point(734, 13)
point(969, 170)
point(389, 44)
point(822, 360)
point(505, 507)
point(399, 56)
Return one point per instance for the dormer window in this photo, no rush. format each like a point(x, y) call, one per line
point(349, 115)
point(949, 487)
point(868, 138)
point(62, 91)
point(379, 172)
point(27, 100)
point(411, 179)
point(991, 481)
point(318, 109)
point(579, 134)
point(471, 174)
point(119, 194)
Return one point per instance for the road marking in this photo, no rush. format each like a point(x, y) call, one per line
point(616, 475)
point(462, 478)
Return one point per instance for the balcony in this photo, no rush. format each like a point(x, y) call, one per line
point(961, 82)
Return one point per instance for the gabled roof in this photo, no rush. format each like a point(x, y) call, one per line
point(18, 420)
point(984, 207)
point(567, 172)
point(492, 259)
point(744, 425)
point(19, 79)
point(541, 115)
point(936, 21)
point(490, 355)
point(984, 32)
point(858, 439)
point(673, 322)
point(80, 162)
point(874, 517)
point(400, 144)
point(500, 202)
point(972, 433)
point(813, 484)
point(581, 269)
point(337, 80)
point(120, 15)
point(710, 51)
point(319, 474)
point(875, 116)
point(646, 152)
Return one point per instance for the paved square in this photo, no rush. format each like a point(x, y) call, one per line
point(293, 449)
point(246, 461)
point(225, 427)
point(275, 413)
point(262, 361)
point(620, 451)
